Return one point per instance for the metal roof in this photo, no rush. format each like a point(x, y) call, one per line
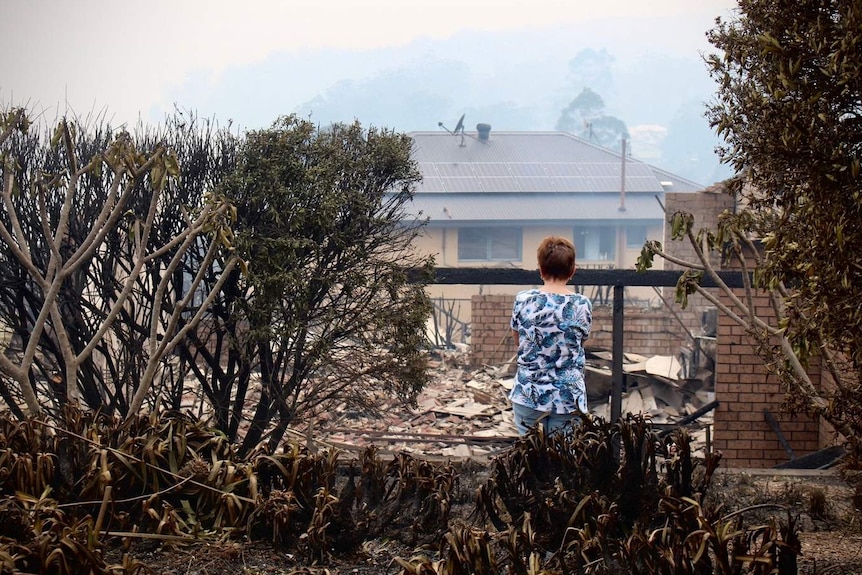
point(530, 162)
point(461, 208)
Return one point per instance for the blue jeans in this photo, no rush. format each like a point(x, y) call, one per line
point(526, 418)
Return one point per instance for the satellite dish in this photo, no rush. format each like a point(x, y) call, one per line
point(459, 127)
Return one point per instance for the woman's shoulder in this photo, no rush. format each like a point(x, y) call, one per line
point(527, 293)
point(582, 299)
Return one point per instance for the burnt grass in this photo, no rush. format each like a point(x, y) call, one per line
point(614, 496)
point(821, 502)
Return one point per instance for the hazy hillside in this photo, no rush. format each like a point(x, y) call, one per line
point(511, 82)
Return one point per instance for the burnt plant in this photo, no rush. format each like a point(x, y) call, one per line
point(468, 551)
point(15, 521)
point(277, 515)
point(565, 501)
point(417, 490)
point(315, 502)
point(565, 504)
point(97, 227)
point(27, 458)
point(170, 463)
point(37, 537)
point(549, 476)
point(684, 475)
point(300, 508)
point(174, 476)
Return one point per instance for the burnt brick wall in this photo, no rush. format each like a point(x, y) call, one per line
point(491, 341)
point(647, 331)
point(742, 386)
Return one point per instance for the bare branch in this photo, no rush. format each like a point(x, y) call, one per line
point(116, 212)
point(19, 247)
point(707, 266)
point(111, 211)
point(168, 344)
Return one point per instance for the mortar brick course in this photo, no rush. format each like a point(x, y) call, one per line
point(758, 391)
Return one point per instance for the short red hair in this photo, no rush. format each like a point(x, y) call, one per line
point(556, 256)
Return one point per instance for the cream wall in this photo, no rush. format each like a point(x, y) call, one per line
point(443, 244)
point(630, 255)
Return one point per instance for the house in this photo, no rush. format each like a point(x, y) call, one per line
point(492, 196)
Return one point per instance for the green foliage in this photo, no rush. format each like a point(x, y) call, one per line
point(788, 107)
point(790, 83)
point(331, 314)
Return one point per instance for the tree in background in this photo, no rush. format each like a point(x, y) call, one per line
point(789, 106)
point(690, 143)
point(585, 116)
point(592, 68)
point(329, 316)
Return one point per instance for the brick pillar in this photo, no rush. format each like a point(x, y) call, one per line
point(491, 340)
point(744, 390)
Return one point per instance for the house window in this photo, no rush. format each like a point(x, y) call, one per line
point(596, 242)
point(636, 236)
point(488, 244)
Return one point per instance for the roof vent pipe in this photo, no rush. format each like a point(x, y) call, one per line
point(484, 131)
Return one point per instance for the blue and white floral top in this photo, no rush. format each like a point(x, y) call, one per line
point(551, 330)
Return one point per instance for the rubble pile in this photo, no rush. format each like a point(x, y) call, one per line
point(464, 412)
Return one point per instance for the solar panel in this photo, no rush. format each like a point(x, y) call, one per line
point(500, 184)
point(431, 184)
point(573, 185)
point(610, 169)
point(552, 170)
point(542, 184)
point(428, 168)
point(528, 169)
point(491, 169)
point(563, 169)
point(462, 185)
point(453, 170)
point(605, 183)
point(605, 170)
point(535, 177)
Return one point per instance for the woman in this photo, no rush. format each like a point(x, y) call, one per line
point(550, 325)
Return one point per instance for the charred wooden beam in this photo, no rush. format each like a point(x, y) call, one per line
point(586, 277)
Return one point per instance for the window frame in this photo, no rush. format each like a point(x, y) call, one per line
point(630, 228)
point(490, 232)
point(607, 228)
